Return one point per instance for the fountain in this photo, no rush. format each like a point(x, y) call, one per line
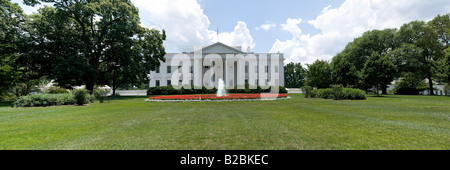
point(221, 95)
point(221, 89)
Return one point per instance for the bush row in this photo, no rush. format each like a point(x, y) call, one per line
point(77, 96)
point(337, 92)
point(170, 90)
point(45, 100)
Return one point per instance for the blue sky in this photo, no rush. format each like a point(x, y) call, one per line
point(303, 30)
point(258, 12)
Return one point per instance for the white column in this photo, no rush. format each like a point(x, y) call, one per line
point(241, 74)
point(198, 72)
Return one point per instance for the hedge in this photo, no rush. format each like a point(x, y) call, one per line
point(56, 90)
point(339, 93)
point(169, 90)
point(79, 97)
point(82, 96)
point(45, 100)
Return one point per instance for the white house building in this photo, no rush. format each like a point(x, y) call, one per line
point(206, 65)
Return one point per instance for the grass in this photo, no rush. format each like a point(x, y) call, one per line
point(391, 122)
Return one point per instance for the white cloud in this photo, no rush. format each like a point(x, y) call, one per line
point(338, 26)
point(183, 20)
point(265, 27)
point(240, 36)
point(186, 24)
point(292, 27)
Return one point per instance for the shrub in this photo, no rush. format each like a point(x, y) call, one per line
point(337, 92)
point(100, 94)
point(354, 94)
point(307, 91)
point(81, 96)
point(343, 94)
point(56, 90)
point(322, 93)
point(409, 87)
point(45, 100)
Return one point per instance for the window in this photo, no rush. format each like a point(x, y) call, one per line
point(180, 82)
point(246, 69)
point(169, 82)
point(157, 69)
point(179, 69)
point(157, 83)
point(276, 69)
point(191, 68)
point(192, 82)
point(169, 69)
point(266, 69)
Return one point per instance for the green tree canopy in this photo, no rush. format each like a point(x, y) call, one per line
point(294, 75)
point(378, 70)
point(421, 51)
point(343, 71)
point(347, 66)
point(318, 74)
point(83, 41)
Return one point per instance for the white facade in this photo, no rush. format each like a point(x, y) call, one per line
point(219, 61)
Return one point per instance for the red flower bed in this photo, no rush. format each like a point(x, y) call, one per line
point(214, 97)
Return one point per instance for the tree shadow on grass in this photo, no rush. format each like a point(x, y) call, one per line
point(125, 98)
point(382, 96)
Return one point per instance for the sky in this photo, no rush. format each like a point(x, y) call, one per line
point(303, 30)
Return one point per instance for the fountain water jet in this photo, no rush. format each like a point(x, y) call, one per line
point(221, 89)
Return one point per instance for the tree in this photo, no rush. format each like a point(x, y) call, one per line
point(418, 38)
point(378, 70)
point(10, 16)
point(318, 74)
point(343, 72)
point(16, 74)
point(84, 40)
point(293, 75)
point(380, 41)
point(347, 66)
point(446, 65)
point(131, 70)
point(440, 27)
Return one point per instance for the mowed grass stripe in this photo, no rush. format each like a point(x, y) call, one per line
point(392, 122)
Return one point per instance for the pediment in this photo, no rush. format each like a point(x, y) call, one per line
point(220, 48)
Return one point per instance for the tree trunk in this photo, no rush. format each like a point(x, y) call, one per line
point(28, 88)
point(114, 82)
point(378, 94)
point(91, 83)
point(430, 82)
point(384, 89)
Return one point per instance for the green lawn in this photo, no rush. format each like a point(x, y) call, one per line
point(391, 122)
